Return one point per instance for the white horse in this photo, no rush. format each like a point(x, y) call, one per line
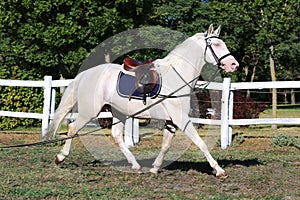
point(95, 87)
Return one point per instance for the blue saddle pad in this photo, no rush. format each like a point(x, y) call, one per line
point(126, 84)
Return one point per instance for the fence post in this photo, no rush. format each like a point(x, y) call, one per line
point(52, 105)
point(131, 136)
point(230, 116)
point(225, 141)
point(47, 104)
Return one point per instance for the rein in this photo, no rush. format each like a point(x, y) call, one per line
point(188, 84)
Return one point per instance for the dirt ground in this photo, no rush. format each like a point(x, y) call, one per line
point(256, 169)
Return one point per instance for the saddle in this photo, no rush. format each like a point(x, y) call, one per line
point(146, 78)
point(131, 64)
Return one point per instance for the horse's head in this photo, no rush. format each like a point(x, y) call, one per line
point(216, 51)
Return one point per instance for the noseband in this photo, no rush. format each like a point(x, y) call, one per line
point(209, 45)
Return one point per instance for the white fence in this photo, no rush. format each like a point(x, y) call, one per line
point(49, 98)
point(226, 122)
point(50, 86)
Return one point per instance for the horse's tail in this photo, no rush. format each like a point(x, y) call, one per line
point(67, 102)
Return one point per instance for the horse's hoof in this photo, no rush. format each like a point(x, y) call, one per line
point(153, 171)
point(58, 159)
point(222, 175)
point(138, 171)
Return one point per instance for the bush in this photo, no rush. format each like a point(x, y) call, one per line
point(246, 107)
point(285, 140)
point(19, 99)
point(243, 108)
point(200, 102)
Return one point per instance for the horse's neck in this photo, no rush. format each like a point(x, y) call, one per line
point(187, 58)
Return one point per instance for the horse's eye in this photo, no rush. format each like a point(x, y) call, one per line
point(217, 44)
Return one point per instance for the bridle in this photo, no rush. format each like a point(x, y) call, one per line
point(219, 65)
point(209, 45)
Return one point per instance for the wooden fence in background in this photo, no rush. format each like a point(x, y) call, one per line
point(226, 122)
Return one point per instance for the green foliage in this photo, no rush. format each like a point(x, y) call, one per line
point(285, 140)
point(254, 26)
point(149, 42)
point(19, 99)
point(249, 28)
point(54, 37)
point(238, 138)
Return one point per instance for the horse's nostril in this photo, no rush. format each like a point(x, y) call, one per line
point(235, 65)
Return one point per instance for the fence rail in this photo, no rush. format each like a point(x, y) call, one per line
point(20, 83)
point(226, 122)
point(227, 107)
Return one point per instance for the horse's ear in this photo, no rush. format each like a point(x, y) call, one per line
point(210, 30)
point(217, 32)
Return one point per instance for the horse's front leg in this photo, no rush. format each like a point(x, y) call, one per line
point(169, 132)
point(191, 132)
point(117, 133)
point(67, 146)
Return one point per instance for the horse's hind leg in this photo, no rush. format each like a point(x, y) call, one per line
point(74, 127)
point(117, 133)
point(67, 146)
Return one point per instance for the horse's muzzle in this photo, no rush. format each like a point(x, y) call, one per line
point(230, 64)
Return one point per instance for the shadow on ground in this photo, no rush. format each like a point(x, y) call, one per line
point(202, 167)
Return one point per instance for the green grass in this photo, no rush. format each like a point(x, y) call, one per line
point(283, 111)
point(256, 169)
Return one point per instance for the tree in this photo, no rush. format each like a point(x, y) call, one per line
point(259, 25)
point(56, 36)
point(53, 38)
